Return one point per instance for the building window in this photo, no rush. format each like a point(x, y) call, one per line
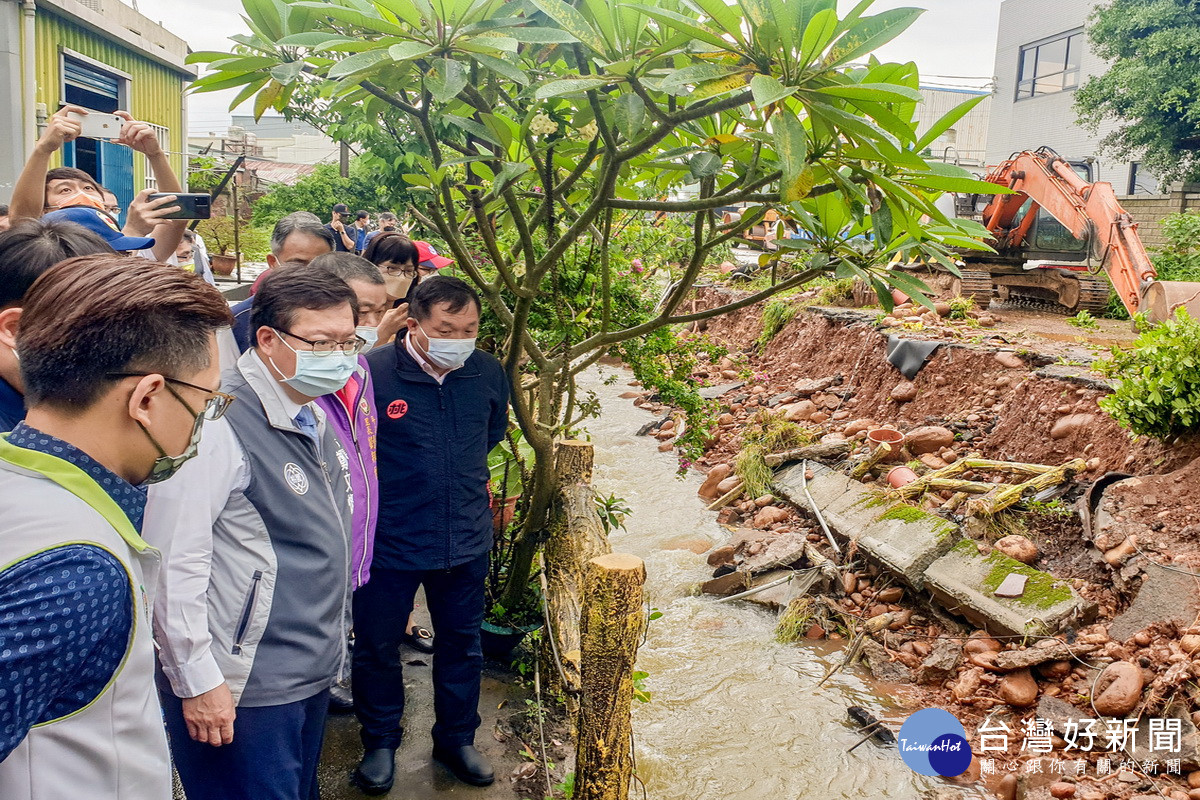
point(1051, 65)
point(1141, 181)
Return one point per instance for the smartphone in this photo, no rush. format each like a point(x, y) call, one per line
point(191, 206)
point(96, 125)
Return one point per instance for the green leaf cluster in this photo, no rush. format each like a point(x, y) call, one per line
point(1158, 380)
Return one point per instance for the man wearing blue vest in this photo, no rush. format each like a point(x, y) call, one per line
point(443, 405)
point(254, 598)
point(119, 365)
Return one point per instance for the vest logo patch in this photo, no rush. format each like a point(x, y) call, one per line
point(295, 478)
point(397, 409)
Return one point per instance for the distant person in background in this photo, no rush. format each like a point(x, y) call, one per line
point(26, 251)
point(387, 224)
point(111, 204)
point(362, 222)
point(5, 222)
point(188, 256)
point(343, 240)
point(297, 238)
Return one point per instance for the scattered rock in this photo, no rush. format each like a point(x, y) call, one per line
point(709, 489)
point(881, 664)
point(890, 595)
point(808, 386)
point(904, 392)
point(1018, 689)
point(1010, 359)
point(692, 543)
point(941, 663)
point(769, 516)
point(932, 461)
point(1059, 712)
point(721, 555)
point(1070, 425)
point(1018, 548)
point(1045, 650)
point(800, 412)
point(727, 485)
point(967, 684)
point(1118, 689)
point(928, 439)
point(980, 642)
point(1190, 643)
point(858, 426)
point(1062, 789)
point(1006, 787)
point(728, 584)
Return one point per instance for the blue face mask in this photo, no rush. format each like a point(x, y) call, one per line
point(369, 335)
point(318, 374)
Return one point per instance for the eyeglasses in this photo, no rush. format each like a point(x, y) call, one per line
point(427, 271)
point(403, 270)
point(323, 347)
point(214, 408)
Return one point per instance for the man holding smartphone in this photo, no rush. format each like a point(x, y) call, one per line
point(343, 240)
point(40, 189)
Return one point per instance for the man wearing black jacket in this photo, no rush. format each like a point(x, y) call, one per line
point(443, 405)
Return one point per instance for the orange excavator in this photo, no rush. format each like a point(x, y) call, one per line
point(1052, 237)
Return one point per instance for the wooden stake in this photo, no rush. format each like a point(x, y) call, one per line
point(867, 464)
point(613, 620)
point(728, 497)
point(816, 452)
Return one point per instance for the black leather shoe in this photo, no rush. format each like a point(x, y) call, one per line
point(467, 764)
point(420, 639)
point(376, 771)
point(341, 701)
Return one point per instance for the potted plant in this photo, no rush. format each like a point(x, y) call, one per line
point(504, 627)
point(218, 237)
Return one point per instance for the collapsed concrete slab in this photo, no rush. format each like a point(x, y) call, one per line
point(1166, 595)
point(900, 537)
point(964, 582)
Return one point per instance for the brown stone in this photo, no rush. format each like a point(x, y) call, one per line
point(1018, 548)
point(980, 642)
point(769, 516)
point(727, 485)
point(1118, 689)
point(858, 426)
point(1068, 426)
point(764, 501)
point(928, 439)
point(666, 447)
point(890, 595)
point(819, 417)
point(726, 585)
point(1006, 787)
point(709, 489)
point(1190, 643)
point(932, 461)
point(1062, 789)
point(1018, 689)
point(800, 412)
point(1009, 359)
point(721, 555)
point(904, 392)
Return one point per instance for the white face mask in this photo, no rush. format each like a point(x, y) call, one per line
point(448, 354)
point(369, 335)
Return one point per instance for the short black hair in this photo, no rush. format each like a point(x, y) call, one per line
point(71, 174)
point(3, 209)
point(362, 215)
point(393, 247)
point(454, 293)
point(349, 267)
point(86, 318)
point(33, 246)
point(284, 292)
point(389, 216)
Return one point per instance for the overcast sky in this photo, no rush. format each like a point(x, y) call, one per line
point(954, 42)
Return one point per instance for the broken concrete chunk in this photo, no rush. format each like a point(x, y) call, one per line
point(1012, 586)
point(880, 662)
point(726, 585)
point(941, 663)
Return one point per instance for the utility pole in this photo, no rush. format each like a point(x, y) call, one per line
point(237, 229)
point(345, 160)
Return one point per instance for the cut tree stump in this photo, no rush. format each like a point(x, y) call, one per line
point(612, 626)
point(576, 535)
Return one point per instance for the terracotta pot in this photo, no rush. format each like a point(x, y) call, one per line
point(900, 476)
point(899, 297)
point(892, 438)
point(222, 264)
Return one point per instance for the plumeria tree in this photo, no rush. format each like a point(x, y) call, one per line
point(537, 129)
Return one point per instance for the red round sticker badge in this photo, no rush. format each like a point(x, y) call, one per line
point(397, 409)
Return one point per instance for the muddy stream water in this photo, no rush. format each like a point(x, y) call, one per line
point(733, 714)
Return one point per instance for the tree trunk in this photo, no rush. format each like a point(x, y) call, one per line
point(613, 621)
point(576, 536)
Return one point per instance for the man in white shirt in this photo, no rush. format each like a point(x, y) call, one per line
point(253, 602)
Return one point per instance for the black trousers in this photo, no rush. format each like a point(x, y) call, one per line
point(381, 608)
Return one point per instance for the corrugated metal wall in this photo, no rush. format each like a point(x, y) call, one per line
point(155, 91)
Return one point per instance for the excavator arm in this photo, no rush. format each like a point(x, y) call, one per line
point(1091, 212)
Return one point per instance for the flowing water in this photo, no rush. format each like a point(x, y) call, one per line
point(733, 715)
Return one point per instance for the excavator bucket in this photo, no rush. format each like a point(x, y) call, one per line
point(1163, 298)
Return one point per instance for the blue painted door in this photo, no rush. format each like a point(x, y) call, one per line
point(116, 172)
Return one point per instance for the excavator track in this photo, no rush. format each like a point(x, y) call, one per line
point(975, 284)
point(1093, 298)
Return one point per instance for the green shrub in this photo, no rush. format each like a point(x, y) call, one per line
point(1158, 389)
point(1180, 259)
point(777, 314)
point(1083, 320)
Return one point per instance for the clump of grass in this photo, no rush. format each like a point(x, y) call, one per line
point(1083, 320)
point(777, 314)
point(795, 621)
point(839, 291)
point(768, 432)
point(961, 307)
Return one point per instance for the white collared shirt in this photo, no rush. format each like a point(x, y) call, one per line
point(429, 369)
